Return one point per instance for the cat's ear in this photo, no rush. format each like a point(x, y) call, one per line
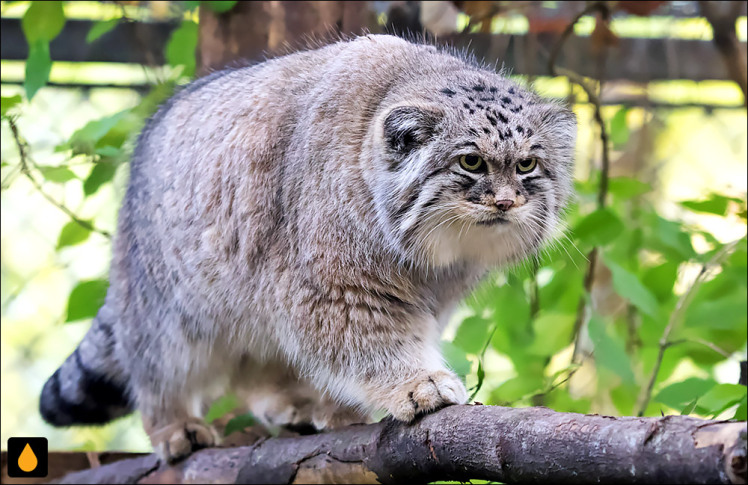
point(408, 127)
point(559, 123)
point(555, 114)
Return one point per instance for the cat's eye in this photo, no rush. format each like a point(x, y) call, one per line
point(527, 165)
point(472, 163)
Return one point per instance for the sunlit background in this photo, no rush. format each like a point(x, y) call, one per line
point(671, 141)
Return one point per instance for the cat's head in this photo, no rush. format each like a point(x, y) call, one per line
point(476, 171)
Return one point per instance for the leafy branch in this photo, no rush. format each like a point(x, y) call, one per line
point(24, 159)
point(677, 316)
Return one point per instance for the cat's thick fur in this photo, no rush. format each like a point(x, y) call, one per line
point(301, 229)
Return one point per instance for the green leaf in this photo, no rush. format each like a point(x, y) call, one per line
point(671, 239)
point(609, 351)
point(510, 310)
point(219, 6)
point(741, 412)
point(8, 102)
point(680, 394)
point(102, 173)
point(108, 151)
point(71, 234)
point(516, 388)
point(222, 407)
point(472, 334)
point(721, 397)
point(86, 299)
point(552, 333)
point(238, 423)
point(599, 227)
point(739, 257)
point(481, 374)
point(627, 187)
point(724, 313)
point(628, 286)
point(100, 28)
point(714, 204)
point(56, 174)
point(689, 408)
point(180, 50)
point(456, 359)
point(84, 140)
point(660, 280)
point(619, 130)
point(38, 67)
point(43, 21)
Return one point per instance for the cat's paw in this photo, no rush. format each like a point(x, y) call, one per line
point(427, 393)
point(179, 440)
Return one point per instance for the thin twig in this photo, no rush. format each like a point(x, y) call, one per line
point(677, 315)
point(479, 384)
point(715, 348)
point(556, 385)
point(592, 94)
point(13, 172)
point(25, 170)
point(589, 277)
point(595, 6)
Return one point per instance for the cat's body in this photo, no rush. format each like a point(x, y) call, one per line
point(311, 217)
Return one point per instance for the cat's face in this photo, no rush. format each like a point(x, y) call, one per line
point(476, 173)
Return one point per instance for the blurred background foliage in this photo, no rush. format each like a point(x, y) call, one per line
point(638, 308)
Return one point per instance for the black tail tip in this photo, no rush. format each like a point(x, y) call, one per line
point(49, 403)
point(100, 402)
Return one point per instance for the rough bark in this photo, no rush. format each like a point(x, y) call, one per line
point(527, 445)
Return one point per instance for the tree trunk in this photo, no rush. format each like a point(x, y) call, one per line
point(252, 30)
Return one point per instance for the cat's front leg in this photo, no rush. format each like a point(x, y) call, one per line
point(408, 390)
point(375, 360)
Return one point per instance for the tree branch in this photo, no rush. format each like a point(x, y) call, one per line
point(677, 315)
point(468, 442)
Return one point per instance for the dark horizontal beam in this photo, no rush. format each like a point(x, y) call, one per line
point(139, 87)
point(129, 42)
point(634, 59)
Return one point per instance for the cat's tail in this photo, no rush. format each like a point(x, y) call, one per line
point(90, 387)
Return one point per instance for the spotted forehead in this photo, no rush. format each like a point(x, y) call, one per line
point(497, 109)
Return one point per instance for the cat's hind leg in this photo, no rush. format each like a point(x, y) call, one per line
point(175, 431)
point(172, 408)
point(277, 397)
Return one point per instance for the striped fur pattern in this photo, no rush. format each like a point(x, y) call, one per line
point(299, 231)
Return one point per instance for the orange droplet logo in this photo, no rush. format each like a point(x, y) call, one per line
point(27, 461)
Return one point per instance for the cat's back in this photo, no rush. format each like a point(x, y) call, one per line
point(219, 146)
point(205, 202)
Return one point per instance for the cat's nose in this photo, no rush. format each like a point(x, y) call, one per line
point(504, 204)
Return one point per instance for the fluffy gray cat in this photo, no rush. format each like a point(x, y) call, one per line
point(299, 231)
